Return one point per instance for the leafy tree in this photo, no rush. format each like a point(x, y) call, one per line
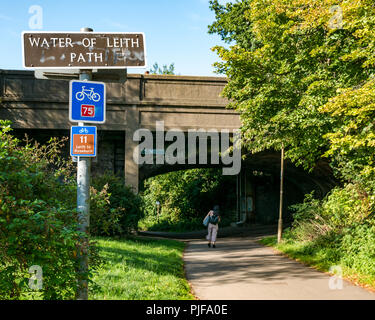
point(165, 69)
point(302, 74)
point(286, 63)
point(185, 197)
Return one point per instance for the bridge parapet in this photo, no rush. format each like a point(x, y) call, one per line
point(181, 102)
point(165, 90)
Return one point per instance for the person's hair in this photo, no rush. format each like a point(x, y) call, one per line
point(216, 209)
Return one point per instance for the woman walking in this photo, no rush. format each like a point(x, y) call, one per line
point(213, 226)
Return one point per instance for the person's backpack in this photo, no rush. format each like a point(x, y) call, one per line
point(206, 221)
point(214, 219)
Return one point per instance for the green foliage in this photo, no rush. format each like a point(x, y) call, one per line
point(337, 230)
point(299, 82)
point(342, 208)
point(104, 220)
point(114, 208)
point(346, 207)
point(231, 25)
point(38, 222)
point(186, 196)
point(358, 243)
point(164, 70)
point(352, 144)
point(141, 269)
point(302, 81)
point(353, 251)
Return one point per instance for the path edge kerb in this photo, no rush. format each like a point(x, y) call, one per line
point(185, 272)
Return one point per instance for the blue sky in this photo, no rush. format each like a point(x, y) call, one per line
point(175, 30)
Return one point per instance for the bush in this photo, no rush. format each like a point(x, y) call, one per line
point(358, 243)
point(309, 222)
point(104, 220)
point(185, 197)
point(342, 208)
point(114, 208)
point(346, 206)
point(338, 230)
point(38, 221)
point(164, 223)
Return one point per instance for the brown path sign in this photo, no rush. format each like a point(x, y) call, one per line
point(83, 50)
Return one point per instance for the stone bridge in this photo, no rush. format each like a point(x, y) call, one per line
point(40, 107)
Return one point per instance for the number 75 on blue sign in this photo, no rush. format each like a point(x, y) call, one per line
point(87, 101)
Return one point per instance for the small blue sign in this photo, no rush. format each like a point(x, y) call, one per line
point(87, 101)
point(83, 141)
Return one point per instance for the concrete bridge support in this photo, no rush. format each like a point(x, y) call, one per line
point(180, 102)
point(131, 168)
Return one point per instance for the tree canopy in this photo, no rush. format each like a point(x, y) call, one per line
point(165, 69)
point(301, 74)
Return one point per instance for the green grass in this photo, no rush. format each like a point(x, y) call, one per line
point(320, 257)
point(166, 224)
point(141, 269)
point(323, 255)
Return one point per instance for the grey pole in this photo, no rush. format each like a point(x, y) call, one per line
point(83, 207)
point(280, 224)
point(237, 201)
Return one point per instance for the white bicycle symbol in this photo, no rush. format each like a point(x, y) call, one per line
point(89, 93)
point(83, 130)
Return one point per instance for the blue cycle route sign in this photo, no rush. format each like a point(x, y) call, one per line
point(87, 101)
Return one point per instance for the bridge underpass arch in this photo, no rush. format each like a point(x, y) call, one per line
point(180, 101)
point(257, 186)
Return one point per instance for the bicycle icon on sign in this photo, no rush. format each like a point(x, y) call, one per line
point(89, 93)
point(83, 130)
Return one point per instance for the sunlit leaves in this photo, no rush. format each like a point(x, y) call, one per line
point(307, 83)
point(38, 221)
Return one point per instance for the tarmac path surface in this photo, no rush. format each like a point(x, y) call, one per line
point(239, 268)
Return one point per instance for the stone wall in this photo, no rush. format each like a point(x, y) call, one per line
point(110, 156)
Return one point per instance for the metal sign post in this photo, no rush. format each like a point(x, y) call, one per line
point(59, 55)
point(280, 224)
point(83, 208)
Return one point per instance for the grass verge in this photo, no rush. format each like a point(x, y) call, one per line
point(322, 257)
point(141, 269)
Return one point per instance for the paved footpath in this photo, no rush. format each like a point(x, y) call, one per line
point(240, 268)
